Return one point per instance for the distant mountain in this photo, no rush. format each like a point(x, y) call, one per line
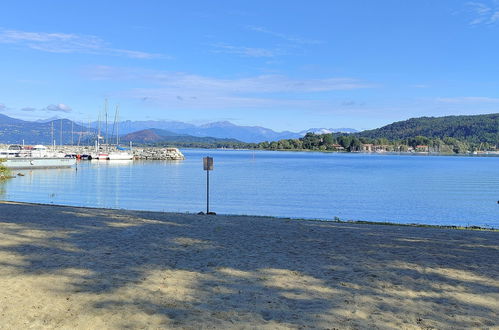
point(225, 129)
point(155, 135)
point(221, 129)
point(476, 128)
point(328, 130)
point(129, 126)
point(6, 121)
point(15, 131)
point(48, 119)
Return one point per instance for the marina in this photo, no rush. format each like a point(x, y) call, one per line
point(91, 152)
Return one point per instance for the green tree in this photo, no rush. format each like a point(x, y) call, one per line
point(284, 144)
point(4, 171)
point(297, 144)
point(355, 145)
point(327, 139)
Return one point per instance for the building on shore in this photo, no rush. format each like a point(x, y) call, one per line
point(369, 147)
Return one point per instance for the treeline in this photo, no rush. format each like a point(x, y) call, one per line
point(474, 129)
point(354, 142)
point(203, 145)
point(347, 143)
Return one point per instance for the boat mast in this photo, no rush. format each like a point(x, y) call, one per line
point(82, 124)
point(52, 135)
point(60, 138)
point(105, 113)
point(98, 133)
point(117, 125)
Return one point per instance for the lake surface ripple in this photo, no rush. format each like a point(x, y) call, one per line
point(445, 190)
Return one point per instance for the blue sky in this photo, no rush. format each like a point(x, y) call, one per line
point(286, 65)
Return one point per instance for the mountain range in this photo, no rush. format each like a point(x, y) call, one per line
point(222, 130)
point(16, 131)
point(32, 132)
point(156, 135)
point(475, 128)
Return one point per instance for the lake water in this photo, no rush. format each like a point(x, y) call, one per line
point(446, 190)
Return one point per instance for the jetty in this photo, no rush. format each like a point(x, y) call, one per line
point(145, 153)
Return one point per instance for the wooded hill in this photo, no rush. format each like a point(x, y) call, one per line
point(471, 129)
point(155, 136)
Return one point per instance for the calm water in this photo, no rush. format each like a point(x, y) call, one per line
point(406, 189)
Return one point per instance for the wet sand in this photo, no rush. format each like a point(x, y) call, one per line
point(69, 267)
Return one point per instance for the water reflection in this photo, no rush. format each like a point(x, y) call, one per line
point(443, 190)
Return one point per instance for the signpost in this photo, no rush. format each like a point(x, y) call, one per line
point(208, 166)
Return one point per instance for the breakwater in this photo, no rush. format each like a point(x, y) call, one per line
point(146, 153)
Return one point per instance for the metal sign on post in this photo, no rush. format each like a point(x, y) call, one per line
point(208, 163)
point(208, 166)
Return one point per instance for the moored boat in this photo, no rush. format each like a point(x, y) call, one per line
point(100, 156)
point(32, 163)
point(18, 157)
point(120, 155)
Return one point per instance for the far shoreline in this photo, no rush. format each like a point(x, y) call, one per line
point(347, 152)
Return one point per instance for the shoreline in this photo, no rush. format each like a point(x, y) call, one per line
point(365, 222)
point(355, 152)
point(80, 268)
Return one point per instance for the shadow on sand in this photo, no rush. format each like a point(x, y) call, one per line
point(191, 271)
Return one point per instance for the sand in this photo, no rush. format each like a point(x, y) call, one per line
point(80, 268)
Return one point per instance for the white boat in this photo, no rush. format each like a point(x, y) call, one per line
point(100, 156)
point(113, 155)
point(17, 157)
point(120, 155)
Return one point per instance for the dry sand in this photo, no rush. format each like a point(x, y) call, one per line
point(68, 267)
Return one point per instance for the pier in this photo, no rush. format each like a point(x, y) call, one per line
point(146, 153)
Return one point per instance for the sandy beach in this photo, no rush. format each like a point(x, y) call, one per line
point(69, 267)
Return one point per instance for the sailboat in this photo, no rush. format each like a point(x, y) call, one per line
point(121, 153)
point(100, 155)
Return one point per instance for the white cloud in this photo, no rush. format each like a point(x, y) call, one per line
point(196, 91)
point(482, 13)
point(287, 37)
point(29, 109)
point(58, 108)
point(467, 100)
point(244, 51)
point(257, 84)
point(68, 43)
point(2, 107)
